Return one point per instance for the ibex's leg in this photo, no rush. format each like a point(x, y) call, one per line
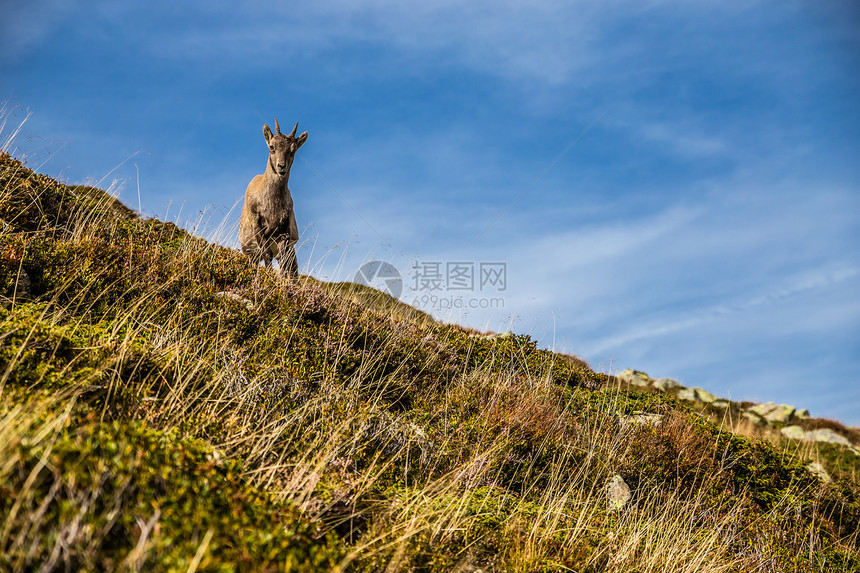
point(255, 254)
point(287, 257)
point(252, 252)
point(288, 262)
point(270, 251)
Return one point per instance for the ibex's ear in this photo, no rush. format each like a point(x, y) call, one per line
point(300, 140)
point(267, 133)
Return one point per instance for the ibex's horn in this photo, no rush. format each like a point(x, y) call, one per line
point(293, 134)
point(277, 127)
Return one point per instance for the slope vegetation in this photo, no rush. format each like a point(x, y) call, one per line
point(164, 406)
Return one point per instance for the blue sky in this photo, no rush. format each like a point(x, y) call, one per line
point(674, 187)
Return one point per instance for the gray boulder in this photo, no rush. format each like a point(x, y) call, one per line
point(493, 335)
point(820, 435)
point(641, 419)
point(665, 384)
point(827, 435)
point(23, 284)
point(771, 412)
point(688, 394)
point(818, 471)
point(794, 433)
point(617, 493)
point(634, 377)
point(696, 395)
point(233, 296)
point(754, 418)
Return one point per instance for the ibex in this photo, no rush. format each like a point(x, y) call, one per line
point(268, 228)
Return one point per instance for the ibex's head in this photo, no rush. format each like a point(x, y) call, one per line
point(282, 148)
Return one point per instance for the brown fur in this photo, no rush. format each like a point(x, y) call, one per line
point(267, 229)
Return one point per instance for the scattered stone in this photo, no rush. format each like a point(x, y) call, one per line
point(641, 419)
point(665, 384)
point(233, 296)
point(395, 437)
point(688, 394)
point(771, 412)
point(827, 435)
point(634, 377)
point(794, 432)
point(22, 287)
point(696, 395)
point(617, 493)
point(493, 335)
point(704, 396)
point(754, 418)
point(216, 457)
point(818, 471)
point(821, 435)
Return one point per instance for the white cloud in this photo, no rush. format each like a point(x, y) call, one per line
point(723, 253)
point(808, 283)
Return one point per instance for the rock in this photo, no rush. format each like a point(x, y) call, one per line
point(216, 457)
point(641, 419)
point(754, 418)
point(494, 335)
point(22, 287)
point(802, 414)
point(762, 409)
point(664, 384)
point(634, 377)
point(794, 432)
point(395, 437)
point(721, 403)
point(771, 412)
point(704, 396)
point(818, 471)
point(233, 296)
point(688, 394)
point(617, 493)
point(696, 395)
point(827, 435)
point(821, 435)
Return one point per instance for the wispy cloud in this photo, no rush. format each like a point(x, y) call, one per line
point(807, 283)
point(709, 217)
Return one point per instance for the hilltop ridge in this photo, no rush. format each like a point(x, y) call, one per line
point(166, 406)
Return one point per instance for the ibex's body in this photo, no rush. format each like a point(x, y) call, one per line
point(268, 228)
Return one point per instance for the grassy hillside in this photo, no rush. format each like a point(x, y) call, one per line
point(164, 406)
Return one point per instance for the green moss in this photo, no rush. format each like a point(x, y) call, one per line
point(36, 350)
point(98, 489)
